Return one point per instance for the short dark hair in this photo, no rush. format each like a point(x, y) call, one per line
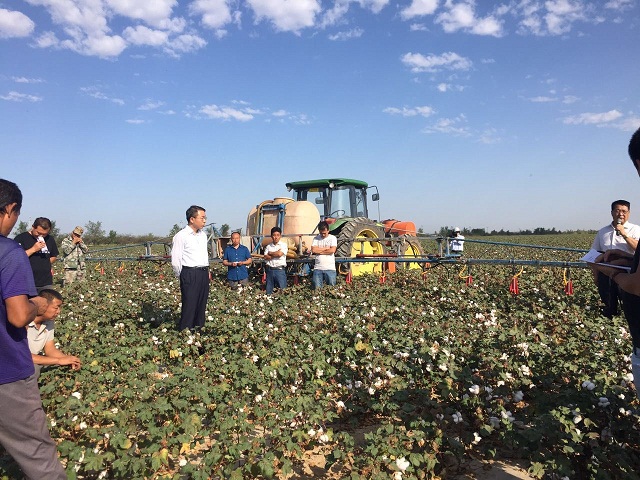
point(9, 193)
point(50, 294)
point(323, 225)
point(634, 147)
point(235, 231)
point(276, 229)
point(622, 203)
point(192, 211)
point(43, 222)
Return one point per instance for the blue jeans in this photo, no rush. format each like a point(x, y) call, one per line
point(276, 278)
point(320, 277)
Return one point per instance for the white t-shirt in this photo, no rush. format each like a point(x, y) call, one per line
point(457, 243)
point(325, 261)
point(606, 238)
point(39, 335)
point(280, 261)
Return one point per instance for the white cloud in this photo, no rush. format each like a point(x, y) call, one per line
point(150, 105)
point(592, 118)
point(20, 97)
point(103, 46)
point(135, 121)
point(141, 35)
point(619, 5)
point(448, 87)
point(568, 99)
point(285, 15)
point(375, 6)
point(418, 27)
point(462, 16)
point(629, 124)
point(15, 24)
point(154, 12)
point(95, 92)
point(353, 33)
point(453, 126)
point(84, 27)
point(184, 44)
point(226, 113)
point(424, 111)
point(489, 136)
point(27, 80)
point(419, 8)
point(215, 13)
point(543, 99)
point(554, 17)
point(280, 113)
point(47, 40)
point(435, 63)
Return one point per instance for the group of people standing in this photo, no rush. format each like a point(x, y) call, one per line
point(42, 251)
point(190, 263)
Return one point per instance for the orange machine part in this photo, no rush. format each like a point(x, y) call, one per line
point(396, 227)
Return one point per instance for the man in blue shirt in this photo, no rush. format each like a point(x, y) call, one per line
point(236, 257)
point(24, 431)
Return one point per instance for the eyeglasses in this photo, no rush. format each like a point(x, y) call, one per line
point(617, 211)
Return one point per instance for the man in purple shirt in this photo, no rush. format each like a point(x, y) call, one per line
point(24, 432)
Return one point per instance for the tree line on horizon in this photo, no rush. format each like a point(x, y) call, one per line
point(95, 234)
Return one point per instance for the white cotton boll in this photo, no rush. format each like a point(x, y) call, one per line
point(402, 464)
point(475, 389)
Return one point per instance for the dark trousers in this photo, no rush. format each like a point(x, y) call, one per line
point(194, 287)
point(609, 294)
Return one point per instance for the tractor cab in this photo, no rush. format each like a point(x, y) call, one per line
point(335, 198)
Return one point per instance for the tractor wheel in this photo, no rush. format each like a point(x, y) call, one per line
point(411, 247)
point(352, 241)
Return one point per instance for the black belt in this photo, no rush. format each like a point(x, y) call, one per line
point(275, 268)
point(195, 268)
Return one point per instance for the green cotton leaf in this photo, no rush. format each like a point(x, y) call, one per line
point(416, 459)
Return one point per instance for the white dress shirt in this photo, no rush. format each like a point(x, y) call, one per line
point(607, 238)
point(189, 249)
point(280, 261)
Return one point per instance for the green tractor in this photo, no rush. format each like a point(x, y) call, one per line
point(342, 203)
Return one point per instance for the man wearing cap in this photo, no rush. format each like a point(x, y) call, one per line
point(73, 251)
point(456, 243)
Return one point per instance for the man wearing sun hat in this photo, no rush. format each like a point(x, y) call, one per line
point(73, 251)
point(456, 243)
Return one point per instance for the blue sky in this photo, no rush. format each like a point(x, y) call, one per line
point(512, 114)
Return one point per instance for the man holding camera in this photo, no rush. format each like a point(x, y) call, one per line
point(73, 252)
point(42, 252)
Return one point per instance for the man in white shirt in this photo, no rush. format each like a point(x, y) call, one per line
point(456, 244)
point(190, 262)
point(619, 234)
point(275, 255)
point(40, 334)
point(324, 246)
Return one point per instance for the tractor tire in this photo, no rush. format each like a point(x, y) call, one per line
point(411, 247)
point(350, 245)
